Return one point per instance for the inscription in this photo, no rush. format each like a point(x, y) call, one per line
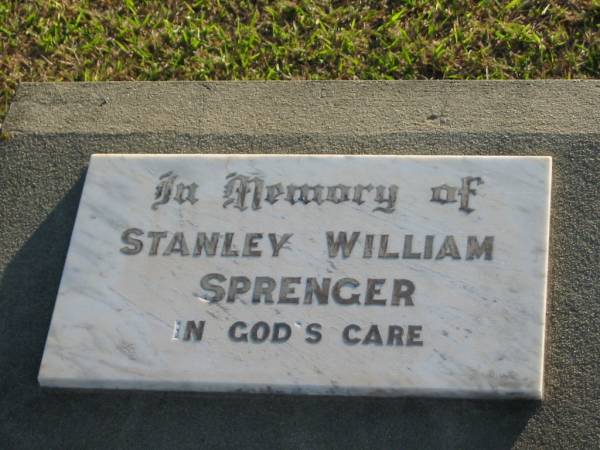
point(191, 330)
point(249, 192)
point(298, 290)
point(353, 334)
point(447, 194)
point(164, 190)
point(339, 244)
point(281, 332)
point(243, 192)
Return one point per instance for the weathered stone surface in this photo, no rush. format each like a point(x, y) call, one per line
point(41, 179)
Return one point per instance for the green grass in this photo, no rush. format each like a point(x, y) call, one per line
point(222, 40)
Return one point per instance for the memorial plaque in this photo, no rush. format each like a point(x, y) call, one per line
point(349, 275)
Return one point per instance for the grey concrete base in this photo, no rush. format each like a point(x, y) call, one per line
point(52, 129)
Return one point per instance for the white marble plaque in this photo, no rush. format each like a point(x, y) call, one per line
point(349, 275)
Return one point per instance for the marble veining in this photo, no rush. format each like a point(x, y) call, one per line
point(343, 275)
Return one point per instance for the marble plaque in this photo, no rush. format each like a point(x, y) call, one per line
point(343, 275)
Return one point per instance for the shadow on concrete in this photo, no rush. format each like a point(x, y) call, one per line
point(31, 417)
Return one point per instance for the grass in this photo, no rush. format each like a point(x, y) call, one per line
point(72, 40)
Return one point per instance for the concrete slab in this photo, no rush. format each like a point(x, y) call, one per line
point(52, 129)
